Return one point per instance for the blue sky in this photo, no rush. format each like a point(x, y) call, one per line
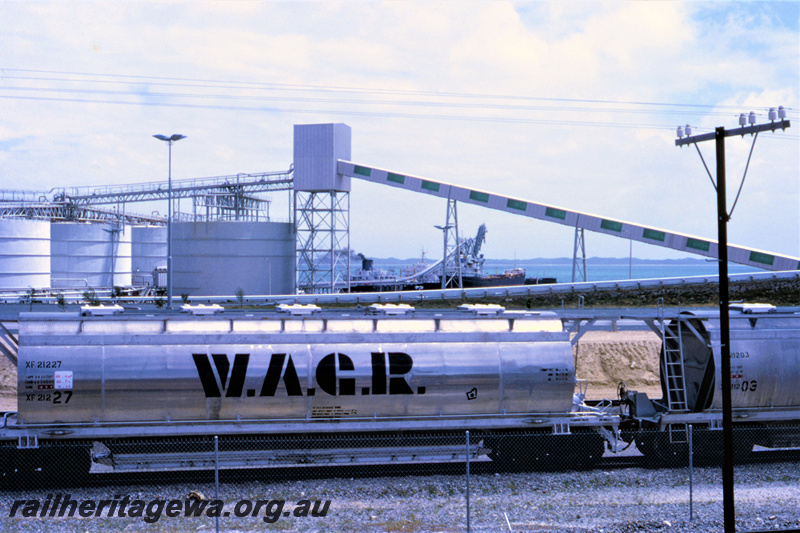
point(574, 104)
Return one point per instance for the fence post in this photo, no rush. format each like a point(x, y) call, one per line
point(691, 474)
point(468, 524)
point(216, 476)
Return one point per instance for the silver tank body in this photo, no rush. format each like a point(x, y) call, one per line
point(175, 368)
point(765, 360)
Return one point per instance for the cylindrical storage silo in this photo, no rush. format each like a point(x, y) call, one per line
point(24, 254)
point(148, 251)
point(217, 258)
point(86, 255)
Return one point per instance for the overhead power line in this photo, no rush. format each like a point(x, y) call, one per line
point(176, 92)
point(421, 103)
point(210, 83)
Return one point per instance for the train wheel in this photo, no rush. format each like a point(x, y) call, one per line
point(22, 468)
point(744, 441)
point(659, 451)
point(520, 452)
point(589, 450)
point(525, 452)
point(46, 467)
point(67, 466)
point(8, 468)
point(709, 444)
point(780, 437)
point(510, 453)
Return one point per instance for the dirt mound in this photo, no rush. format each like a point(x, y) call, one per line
point(606, 358)
point(8, 385)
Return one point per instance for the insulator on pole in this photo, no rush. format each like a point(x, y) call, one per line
point(752, 117)
point(688, 130)
point(742, 119)
point(680, 132)
point(772, 114)
point(781, 112)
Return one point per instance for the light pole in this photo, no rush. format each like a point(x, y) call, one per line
point(169, 140)
point(718, 135)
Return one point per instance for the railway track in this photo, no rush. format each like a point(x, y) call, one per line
point(631, 459)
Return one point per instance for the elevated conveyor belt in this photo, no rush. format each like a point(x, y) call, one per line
point(9, 345)
point(574, 219)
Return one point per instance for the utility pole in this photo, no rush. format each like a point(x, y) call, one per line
point(723, 216)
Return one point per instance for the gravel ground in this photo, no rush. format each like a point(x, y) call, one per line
point(620, 501)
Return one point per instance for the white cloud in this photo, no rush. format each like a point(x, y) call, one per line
point(673, 52)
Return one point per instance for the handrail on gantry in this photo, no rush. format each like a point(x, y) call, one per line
point(154, 190)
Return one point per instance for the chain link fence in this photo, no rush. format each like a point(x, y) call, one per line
point(443, 481)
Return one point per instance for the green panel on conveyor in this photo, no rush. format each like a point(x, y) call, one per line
point(697, 244)
point(516, 204)
point(555, 213)
point(478, 196)
point(430, 185)
point(396, 178)
point(611, 225)
point(362, 171)
point(765, 259)
point(654, 235)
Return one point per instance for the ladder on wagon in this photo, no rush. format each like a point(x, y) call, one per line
point(673, 361)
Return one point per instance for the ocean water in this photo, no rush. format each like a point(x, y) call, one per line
point(600, 272)
point(613, 272)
